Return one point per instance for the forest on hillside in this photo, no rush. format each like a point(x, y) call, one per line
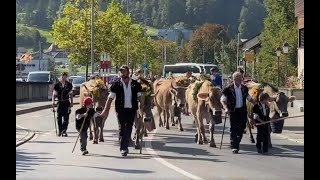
point(244, 16)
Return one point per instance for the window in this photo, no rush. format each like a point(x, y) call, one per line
point(301, 38)
point(39, 77)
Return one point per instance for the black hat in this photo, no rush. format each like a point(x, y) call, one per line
point(124, 67)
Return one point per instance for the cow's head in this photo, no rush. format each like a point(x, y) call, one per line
point(212, 99)
point(280, 103)
point(178, 94)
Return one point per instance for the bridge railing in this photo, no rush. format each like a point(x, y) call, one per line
point(33, 91)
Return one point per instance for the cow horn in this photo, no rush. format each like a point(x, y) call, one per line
point(152, 95)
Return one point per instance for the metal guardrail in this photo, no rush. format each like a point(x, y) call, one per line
point(33, 91)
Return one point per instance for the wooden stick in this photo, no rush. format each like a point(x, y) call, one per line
point(278, 120)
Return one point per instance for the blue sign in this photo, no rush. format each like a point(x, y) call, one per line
point(145, 66)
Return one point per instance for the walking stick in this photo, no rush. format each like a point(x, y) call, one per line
point(55, 120)
point(224, 126)
point(258, 124)
point(84, 120)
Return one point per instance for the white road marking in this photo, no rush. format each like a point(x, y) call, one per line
point(166, 163)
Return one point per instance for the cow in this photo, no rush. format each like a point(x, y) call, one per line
point(204, 103)
point(144, 114)
point(167, 98)
point(278, 106)
point(99, 92)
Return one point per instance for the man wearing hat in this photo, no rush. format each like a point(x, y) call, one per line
point(127, 92)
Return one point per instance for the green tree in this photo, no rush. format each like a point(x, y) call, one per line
point(280, 25)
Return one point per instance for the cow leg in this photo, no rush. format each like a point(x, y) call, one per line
point(211, 127)
point(198, 138)
point(90, 132)
point(180, 125)
point(172, 116)
point(160, 119)
point(186, 109)
point(101, 139)
point(95, 131)
point(202, 129)
point(138, 134)
point(250, 135)
point(167, 117)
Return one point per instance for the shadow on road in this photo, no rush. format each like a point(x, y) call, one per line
point(129, 171)
point(25, 161)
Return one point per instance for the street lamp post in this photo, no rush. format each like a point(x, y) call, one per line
point(278, 51)
point(92, 37)
point(285, 49)
point(128, 36)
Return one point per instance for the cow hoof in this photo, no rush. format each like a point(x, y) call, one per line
point(200, 142)
point(244, 132)
point(160, 124)
point(137, 146)
point(90, 138)
point(187, 114)
point(167, 128)
point(181, 129)
point(213, 145)
point(145, 135)
point(95, 142)
point(173, 124)
point(206, 141)
point(252, 140)
point(101, 140)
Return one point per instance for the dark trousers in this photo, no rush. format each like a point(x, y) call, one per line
point(263, 134)
point(238, 120)
point(63, 112)
point(83, 140)
point(125, 121)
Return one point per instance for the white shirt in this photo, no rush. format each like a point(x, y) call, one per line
point(239, 101)
point(127, 94)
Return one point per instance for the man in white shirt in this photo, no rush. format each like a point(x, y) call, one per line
point(126, 91)
point(234, 102)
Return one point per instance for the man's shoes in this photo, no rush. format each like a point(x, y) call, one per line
point(124, 152)
point(259, 151)
point(84, 152)
point(235, 151)
point(265, 153)
point(64, 134)
point(59, 133)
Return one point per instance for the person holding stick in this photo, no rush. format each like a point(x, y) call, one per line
point(233, 99)
point(83, 117)
point(261, 114)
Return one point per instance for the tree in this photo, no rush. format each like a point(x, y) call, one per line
point(112, 28)
point(251, 18)
point(280, 25)
point(207, 38)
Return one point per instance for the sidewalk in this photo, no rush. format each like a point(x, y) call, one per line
point(24, 135)
point(293, 128)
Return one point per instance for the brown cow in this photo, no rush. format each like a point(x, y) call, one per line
point(207, 106)
point(278, 106)
point(99, 92)
point(168, 96)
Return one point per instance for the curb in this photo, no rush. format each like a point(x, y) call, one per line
point(29, 110)
point(26, 140)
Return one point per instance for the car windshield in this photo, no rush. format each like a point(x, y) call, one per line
point(39, 77)
point(78, 80)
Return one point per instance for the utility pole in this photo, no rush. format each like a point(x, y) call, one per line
point(92, 37)
point(238, 51)
point(128, 36)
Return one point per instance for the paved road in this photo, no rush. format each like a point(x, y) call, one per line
point(169, 154)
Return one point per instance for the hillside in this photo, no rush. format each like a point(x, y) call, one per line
point(244, 16)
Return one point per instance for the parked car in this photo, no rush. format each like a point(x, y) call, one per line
point(73, 77)
point(76, 82)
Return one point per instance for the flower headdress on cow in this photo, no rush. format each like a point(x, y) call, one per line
point(100, 85)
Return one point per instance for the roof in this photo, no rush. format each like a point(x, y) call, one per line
point(54, 48)
point(61, 55)
point(251, 43)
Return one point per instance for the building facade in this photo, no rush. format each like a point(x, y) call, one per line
point(299, 13)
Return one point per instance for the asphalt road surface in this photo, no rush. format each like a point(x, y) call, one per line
point(167, 154)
